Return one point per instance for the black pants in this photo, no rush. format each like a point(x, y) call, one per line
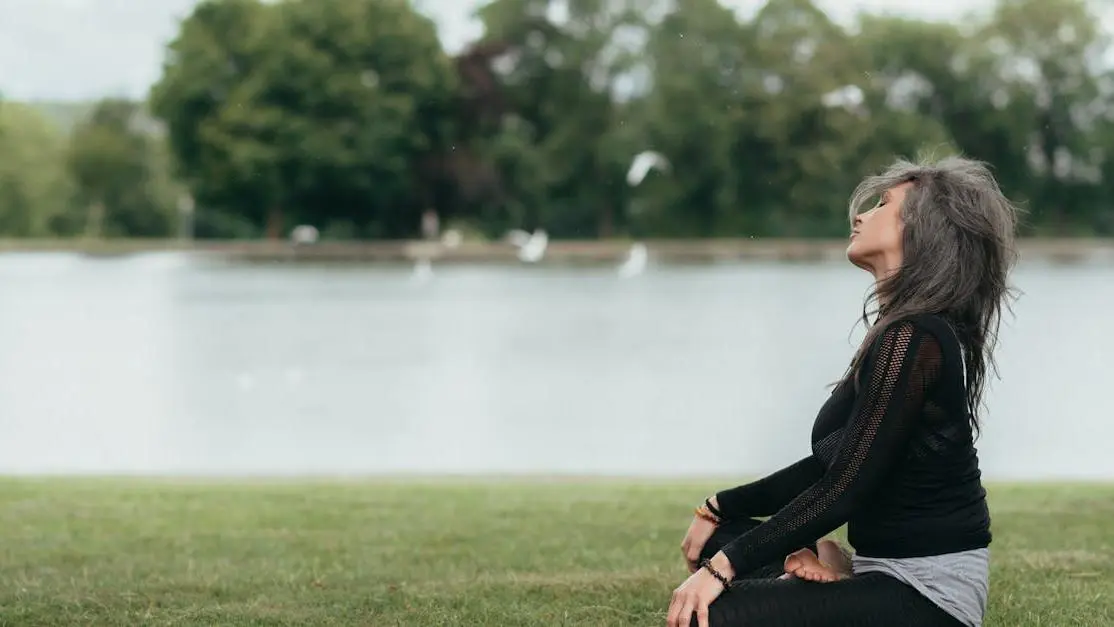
point(759, 599)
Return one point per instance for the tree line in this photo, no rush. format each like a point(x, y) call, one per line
point(350, 116)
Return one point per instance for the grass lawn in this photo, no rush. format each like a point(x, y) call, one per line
point(446, 552)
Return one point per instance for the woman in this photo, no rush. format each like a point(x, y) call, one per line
point(893, 451)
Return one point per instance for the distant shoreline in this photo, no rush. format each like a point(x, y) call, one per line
point(560, 251)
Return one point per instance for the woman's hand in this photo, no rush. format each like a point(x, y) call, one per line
point(697, 592)
point(695, 539)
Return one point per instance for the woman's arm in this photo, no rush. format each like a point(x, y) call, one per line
point(771, 493)
point(901, 366)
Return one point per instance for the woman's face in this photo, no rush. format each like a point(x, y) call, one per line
point(876, 234)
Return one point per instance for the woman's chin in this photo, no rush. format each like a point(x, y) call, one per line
point(853, 253)
point(856, 257)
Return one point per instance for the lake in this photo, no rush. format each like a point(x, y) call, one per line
point(167, 363)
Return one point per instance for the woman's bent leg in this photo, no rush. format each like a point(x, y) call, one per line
point(869, 600)
point(730, 530)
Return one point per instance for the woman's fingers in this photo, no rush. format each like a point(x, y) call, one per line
point(674, 610)
point(692, 556)
point(688, 549)
point(682, 608)
point(690, 552)
point(702, 615)
point(676, 607)
point(684, 617)
point(697, 536)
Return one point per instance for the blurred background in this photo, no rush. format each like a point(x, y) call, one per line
point(591, 237)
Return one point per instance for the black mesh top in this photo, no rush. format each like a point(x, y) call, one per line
point(893, 456)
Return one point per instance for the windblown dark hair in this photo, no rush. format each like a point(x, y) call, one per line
point(958, 249)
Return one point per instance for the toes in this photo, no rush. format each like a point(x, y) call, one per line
point(814, 575)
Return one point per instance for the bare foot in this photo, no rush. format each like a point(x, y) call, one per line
point(832, 554)
point(831, 565)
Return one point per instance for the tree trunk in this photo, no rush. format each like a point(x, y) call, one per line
point(607, 221)
point(274, 223)
point(94, 221)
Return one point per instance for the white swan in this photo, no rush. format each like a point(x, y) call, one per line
point(452, 238)
point(304, 234)
point(534, 248)
point(517, 237)
point(636, 261)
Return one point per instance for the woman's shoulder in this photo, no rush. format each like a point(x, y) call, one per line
point(931, 326)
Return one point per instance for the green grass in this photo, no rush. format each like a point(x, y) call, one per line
point(446, 552)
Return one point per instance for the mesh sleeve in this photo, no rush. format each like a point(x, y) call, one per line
point(898, 370)
point(771, 493)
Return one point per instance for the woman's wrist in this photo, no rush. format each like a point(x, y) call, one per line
point(720, 562)
point(704, 513)
point(712, 505)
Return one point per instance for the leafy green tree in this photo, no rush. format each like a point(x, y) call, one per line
point(119, 173)
point(348, 115)
point(34, 188)
point(562, 149)
point(199, 97)
point(1051, 80)
point(308, 111)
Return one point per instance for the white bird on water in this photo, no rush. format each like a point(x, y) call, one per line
point(423, 272)
point(517, 237)
point(304, 234)
point(636, 261)
point(534, 249)
point(245, 381)
point(452, 239)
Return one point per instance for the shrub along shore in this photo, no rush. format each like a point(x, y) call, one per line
point(560, 251)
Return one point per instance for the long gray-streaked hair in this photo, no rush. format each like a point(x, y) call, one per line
point(958, 250)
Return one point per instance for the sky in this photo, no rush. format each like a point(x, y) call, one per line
point(87, 49)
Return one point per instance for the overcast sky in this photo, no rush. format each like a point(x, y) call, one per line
point(81, 49)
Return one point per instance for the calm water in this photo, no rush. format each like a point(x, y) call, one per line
point(172, 364)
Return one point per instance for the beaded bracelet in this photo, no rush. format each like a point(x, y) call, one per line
point(702, 512)
point(707, 565)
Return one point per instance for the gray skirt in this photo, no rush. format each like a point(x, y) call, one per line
point(958, 583)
